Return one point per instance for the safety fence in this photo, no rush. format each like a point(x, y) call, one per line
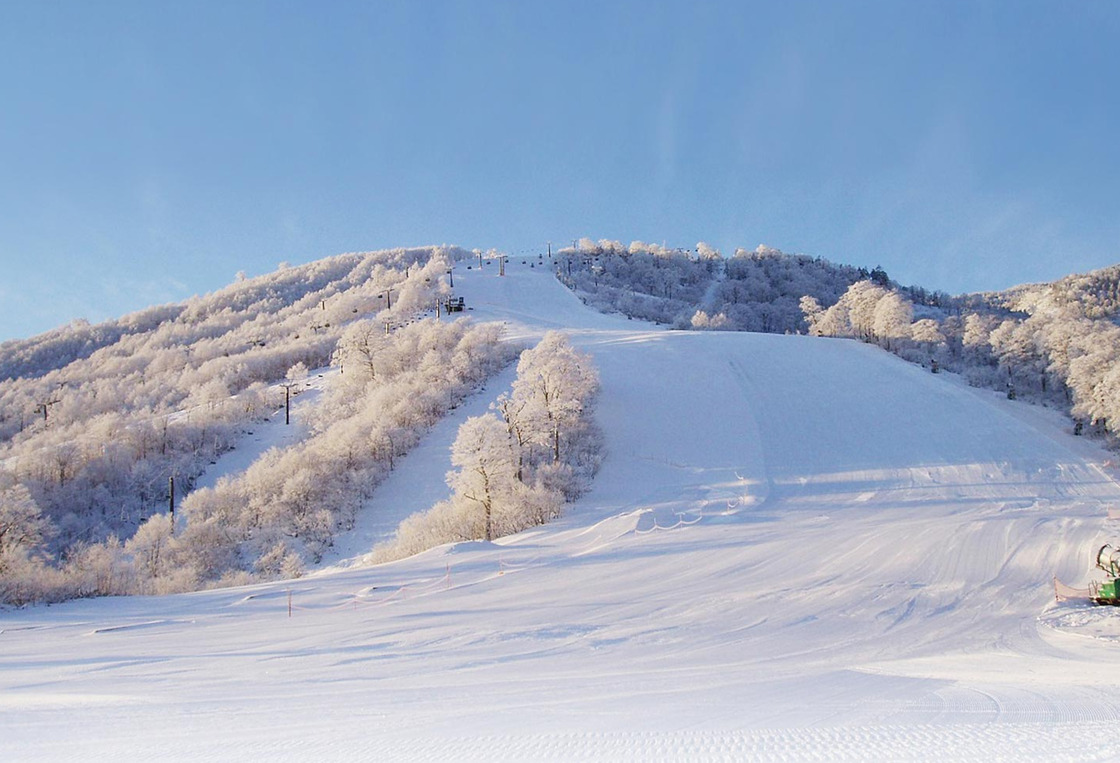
point(1063, 592)
point(504, 566)
point(657, 527)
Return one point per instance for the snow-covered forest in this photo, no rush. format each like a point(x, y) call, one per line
point(753, 290)
point(97, 421)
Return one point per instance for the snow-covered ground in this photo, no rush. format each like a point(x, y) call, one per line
point(796, 549)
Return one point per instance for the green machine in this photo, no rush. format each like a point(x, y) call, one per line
point(1108, 591)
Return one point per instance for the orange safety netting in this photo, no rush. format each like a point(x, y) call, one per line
point(1062, 592)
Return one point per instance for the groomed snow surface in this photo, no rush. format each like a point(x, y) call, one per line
point(796, 549)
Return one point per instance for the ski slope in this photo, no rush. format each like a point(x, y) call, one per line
point(796, 549)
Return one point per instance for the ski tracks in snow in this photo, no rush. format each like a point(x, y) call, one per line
point(1040, 741)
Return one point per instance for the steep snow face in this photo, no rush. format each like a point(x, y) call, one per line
point(795, 548)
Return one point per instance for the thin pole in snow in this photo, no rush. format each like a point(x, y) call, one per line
point(288, 402)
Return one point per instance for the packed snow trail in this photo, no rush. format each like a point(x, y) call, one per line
point(796, 548)
point(275, 431)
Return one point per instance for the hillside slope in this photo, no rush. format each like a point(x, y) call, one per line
point(796, 548)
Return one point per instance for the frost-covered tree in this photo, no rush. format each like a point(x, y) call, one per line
point(892, 318)
point(151, 549)
point(486, 473)
point(556, 382)
point(865, 311)
point(704, 322)
point(359, 347)
point(23, 528)
point(927, 331)
point(517, 470)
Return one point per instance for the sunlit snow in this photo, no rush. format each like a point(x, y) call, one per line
point(796, 548)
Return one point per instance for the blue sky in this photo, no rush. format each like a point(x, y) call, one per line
point(150, 150)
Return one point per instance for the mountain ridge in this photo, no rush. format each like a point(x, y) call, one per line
point(88, 447)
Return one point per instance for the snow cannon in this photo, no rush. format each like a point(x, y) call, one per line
point(1108, 561)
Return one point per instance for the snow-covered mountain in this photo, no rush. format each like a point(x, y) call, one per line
point(1054, 344)
point(796, 548)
